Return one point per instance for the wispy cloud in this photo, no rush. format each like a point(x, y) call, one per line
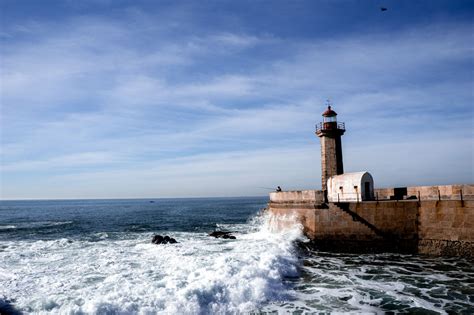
point(104, 100)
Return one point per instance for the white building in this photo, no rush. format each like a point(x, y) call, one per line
point(350, 187)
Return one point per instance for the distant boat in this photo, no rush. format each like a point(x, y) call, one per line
point(151, 201)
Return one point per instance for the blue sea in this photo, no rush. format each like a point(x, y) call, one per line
point(96, 257)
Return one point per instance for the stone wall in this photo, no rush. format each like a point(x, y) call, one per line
point(296, 207)
point(446, 228)
point(331, 155)
point(428, 226)
point(297, 196)
point(397, 219)
point(352, 226)
point(443, 192)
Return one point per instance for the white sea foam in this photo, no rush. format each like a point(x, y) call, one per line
point(34, 225)
point(373, 284)
point(199, 275)
point(7, 227)
point(126, 274)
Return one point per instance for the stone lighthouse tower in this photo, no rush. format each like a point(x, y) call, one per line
point(329, 132)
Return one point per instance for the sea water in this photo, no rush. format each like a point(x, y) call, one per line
point(96, 257)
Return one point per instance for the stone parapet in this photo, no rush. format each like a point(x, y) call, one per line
point(443, 192)
point(296, 196)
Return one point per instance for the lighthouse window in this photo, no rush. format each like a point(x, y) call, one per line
point(330, 119)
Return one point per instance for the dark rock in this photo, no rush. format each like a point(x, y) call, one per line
point(158, 239)
point(223, 234)
point(219, 233)
point(7, 308)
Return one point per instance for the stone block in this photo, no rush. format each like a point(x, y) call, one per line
point(458, 221)
point(468, 223)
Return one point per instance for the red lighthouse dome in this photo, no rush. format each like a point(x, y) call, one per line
point(329, 112)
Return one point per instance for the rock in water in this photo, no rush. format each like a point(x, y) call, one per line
point(158, 239)
point(223, 234)
point(172, 241)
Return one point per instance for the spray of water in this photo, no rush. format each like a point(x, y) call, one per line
point(200, 275)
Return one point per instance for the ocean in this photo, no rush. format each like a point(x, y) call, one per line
point(96, 257)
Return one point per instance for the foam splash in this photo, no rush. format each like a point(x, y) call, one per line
point(200, 275)
point(381, 283)
point(7, 227)
point(34, 225)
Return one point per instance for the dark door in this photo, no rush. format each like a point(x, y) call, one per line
point(367, 191)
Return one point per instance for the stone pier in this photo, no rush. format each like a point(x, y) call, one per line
point(433, 220)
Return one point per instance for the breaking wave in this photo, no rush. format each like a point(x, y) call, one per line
point(199, 275)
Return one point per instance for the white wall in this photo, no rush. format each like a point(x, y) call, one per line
point(349, 187)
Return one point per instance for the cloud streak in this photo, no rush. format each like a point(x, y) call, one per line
point(104, 100)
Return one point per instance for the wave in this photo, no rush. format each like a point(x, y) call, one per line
point(199, 275)
point(380, 283)
point(34, 225)
point(7, 227)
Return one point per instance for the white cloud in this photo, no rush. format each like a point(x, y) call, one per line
point(99, 93)
point(63, 161)
point(236, 40)
point(221, 174)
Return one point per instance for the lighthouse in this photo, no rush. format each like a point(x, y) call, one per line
point(329, 132)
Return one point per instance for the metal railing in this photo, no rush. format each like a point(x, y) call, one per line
point(460, 196)
point(357, 197)
point(330, 126)
point(433, 197)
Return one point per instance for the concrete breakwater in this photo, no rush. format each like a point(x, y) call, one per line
point(433, 220)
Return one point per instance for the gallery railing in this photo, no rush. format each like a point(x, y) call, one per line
point(330, 126)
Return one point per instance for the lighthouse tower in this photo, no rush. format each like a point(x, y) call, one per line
point(329, 132)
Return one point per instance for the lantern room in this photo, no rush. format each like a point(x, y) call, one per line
point(329, 115)
point(330, 121)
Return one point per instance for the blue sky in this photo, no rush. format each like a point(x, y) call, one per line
point(118, 99)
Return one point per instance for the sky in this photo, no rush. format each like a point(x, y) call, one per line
point(149, 99)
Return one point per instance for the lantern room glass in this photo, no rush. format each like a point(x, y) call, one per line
point(329, 119)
